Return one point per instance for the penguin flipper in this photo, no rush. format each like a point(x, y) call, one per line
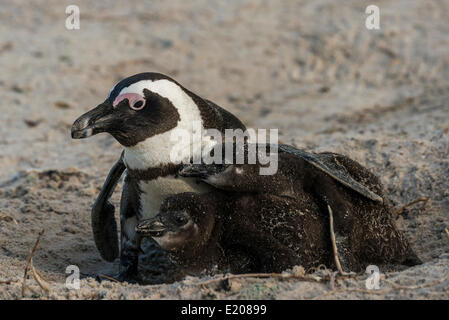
point(333, 165)
point(104, 226)
point(328, 163)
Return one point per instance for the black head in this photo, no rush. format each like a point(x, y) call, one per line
point(133, 111)
point(184, 223)
point(173, 230)
point(163, 222)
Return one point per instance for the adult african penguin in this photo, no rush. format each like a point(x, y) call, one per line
point(141, 113)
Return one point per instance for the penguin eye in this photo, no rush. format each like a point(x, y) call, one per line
point(138, 105)
point(181, 219)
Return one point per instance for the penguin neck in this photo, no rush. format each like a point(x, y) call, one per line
point(170, 148)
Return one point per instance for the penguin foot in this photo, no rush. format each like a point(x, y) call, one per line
point(126, 276)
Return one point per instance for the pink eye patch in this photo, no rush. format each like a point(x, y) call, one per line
point(135, 100)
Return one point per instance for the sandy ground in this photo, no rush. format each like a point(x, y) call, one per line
point(309, 68)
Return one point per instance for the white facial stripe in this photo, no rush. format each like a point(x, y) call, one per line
point(187, 109)
point(155, 151)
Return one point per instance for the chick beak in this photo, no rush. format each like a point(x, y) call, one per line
point(92, 122)
point(151, 228)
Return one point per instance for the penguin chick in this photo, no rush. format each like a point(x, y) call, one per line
point(256, 233)
point(240, 232)
point(363, 220)
point(188, 227)
point(277, 221)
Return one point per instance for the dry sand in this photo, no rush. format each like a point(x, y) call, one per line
point(309, 68)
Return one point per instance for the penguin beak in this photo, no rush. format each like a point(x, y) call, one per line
point(151, 228)
point(94, 121)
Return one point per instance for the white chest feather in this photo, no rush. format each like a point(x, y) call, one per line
point(155, 191)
